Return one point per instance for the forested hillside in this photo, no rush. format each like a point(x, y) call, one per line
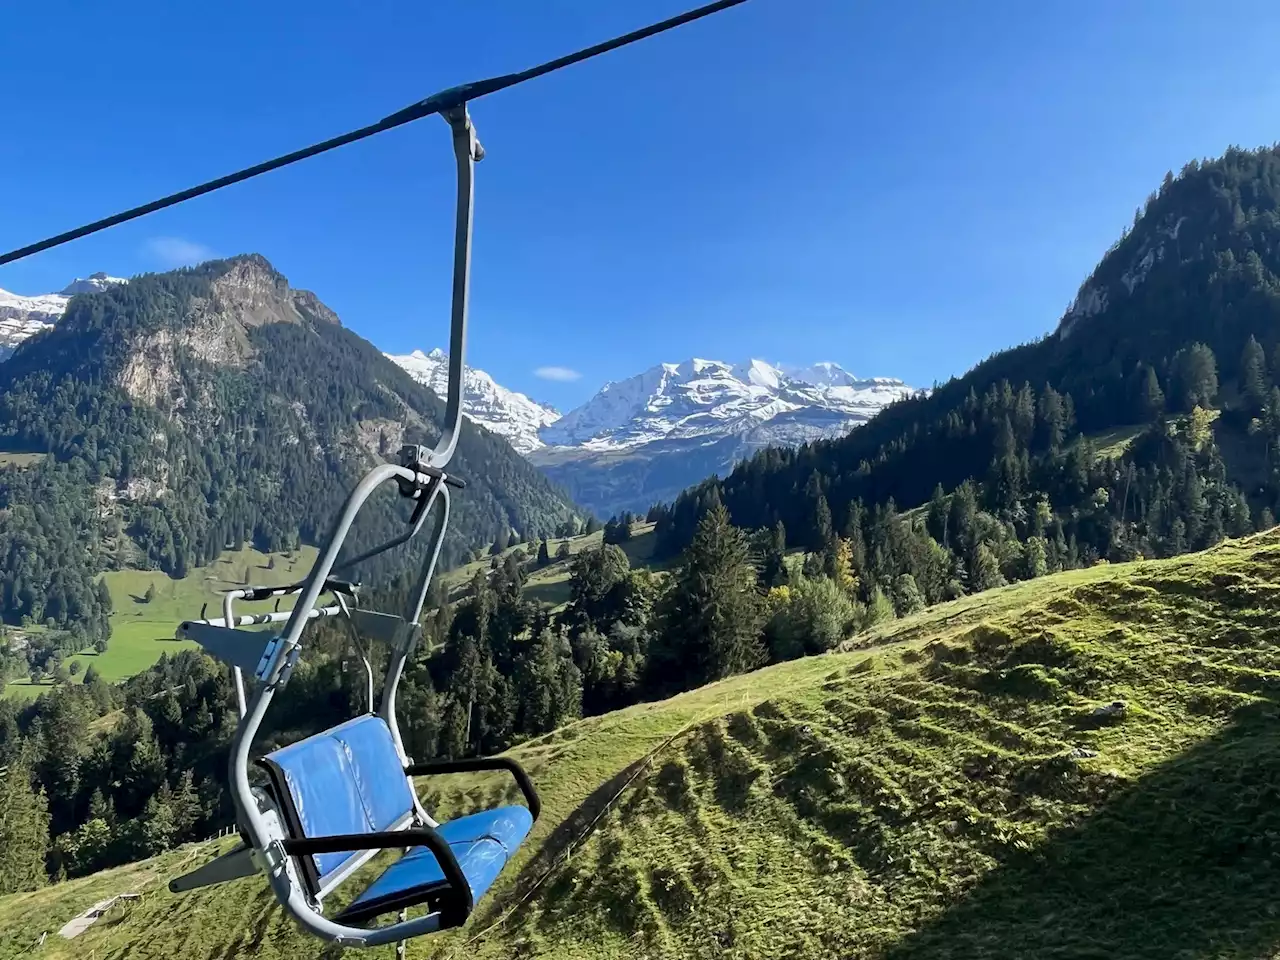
point(184, 413)
point(1145, 425)
point(1083, 766)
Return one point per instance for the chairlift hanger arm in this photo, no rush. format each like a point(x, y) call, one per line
point(441, 103)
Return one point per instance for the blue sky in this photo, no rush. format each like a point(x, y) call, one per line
point(902, 188)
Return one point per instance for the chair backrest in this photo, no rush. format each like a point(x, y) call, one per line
point(345, 780)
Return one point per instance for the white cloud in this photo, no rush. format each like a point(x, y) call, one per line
point(176, 252)
point(563, 374)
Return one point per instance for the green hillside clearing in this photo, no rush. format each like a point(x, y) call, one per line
point(142, 631)
point(956, 790)
point(550, 584)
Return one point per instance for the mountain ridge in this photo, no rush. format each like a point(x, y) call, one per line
point(22, 317)
point(508, 413)
point(711, 398)
point(646, 439)
point(182, 413)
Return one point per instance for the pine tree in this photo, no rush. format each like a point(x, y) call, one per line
point(104, 596)
point(24, 828)
point(821, 534)
point(879, 607)
point(544, 555)
point(1035, 559)
point(906, 595)
point(184, 806)
point(151, 591)
point(101, 808)
point(936, 519)
point(713, 616)
point(1196, 376)
point(1254, 385)
point(1266, 519)
point(1151, 404)
point(984, 570)
point(773, 566)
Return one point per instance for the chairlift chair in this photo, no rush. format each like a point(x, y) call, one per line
point(334, 800)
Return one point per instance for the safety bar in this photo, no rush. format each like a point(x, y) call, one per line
point(431, 767)
point(458, 900)
point(338, 588)
point(331, 584)
point(255, 619)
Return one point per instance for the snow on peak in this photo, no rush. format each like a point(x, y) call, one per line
point(94, 283)
point(507, 413)
point(22, 317)
point(823, 374)
point(708, 400)
point(760, 373)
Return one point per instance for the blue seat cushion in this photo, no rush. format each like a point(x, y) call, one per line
point(345, 780)
point(481, 842)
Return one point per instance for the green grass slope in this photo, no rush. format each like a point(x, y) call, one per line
point(549, 585)
point(141, 631)
point(950, 791)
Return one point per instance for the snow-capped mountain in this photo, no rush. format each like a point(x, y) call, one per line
point(644, 439)
point(710, 399)
point(22, 317)
point(94, 283)
point(504, 412)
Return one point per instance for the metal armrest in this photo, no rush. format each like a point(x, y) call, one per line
point(483, 763)
point(457, 902)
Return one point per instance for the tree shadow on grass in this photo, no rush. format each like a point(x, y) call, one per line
point(1183, 864)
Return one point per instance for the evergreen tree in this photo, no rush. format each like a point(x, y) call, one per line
point(936, 519)
point(592, 525)
point(1035, 559)
point(1254, 383)
point(879, 607)
point(104, 596)
point(984, 570)
point(711, 627)
point(1196, 375)
point(1151, 403)
point(24, 828)
point(773, 566)
point(906, 595)
point(563, 550)
point(821, 534)
point(544, 555)
point(151, 590)
point(101, 808)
